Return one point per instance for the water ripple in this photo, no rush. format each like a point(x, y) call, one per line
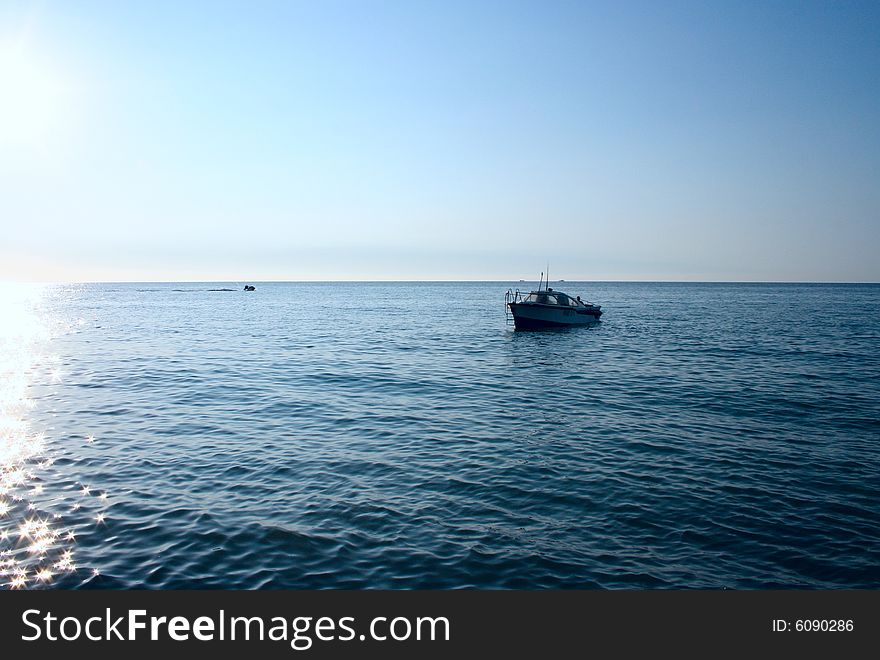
point(402, 436)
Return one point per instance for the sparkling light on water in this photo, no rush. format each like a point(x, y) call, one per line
point(36, 542)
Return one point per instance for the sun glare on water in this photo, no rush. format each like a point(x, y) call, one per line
point(36, 535)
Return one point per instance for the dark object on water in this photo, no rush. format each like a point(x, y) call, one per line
point(549, 309)
point(248, 287)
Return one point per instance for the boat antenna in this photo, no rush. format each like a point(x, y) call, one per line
point(541, 281)
point(547, 285)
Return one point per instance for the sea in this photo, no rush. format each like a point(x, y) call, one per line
point(403, 435)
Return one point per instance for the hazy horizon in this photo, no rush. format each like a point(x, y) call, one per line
point(367, 141)
point(241, 281)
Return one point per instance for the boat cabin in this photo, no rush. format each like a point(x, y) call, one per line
point(551, 297)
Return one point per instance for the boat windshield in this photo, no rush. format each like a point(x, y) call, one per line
point(542, 298)
point(553, 298)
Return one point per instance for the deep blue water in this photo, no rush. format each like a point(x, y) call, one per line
point(402, 435)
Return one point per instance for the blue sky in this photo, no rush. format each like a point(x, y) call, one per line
point(439, 140)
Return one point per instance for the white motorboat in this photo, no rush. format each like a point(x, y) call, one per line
point(547, 308)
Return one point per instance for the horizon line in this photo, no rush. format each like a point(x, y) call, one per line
point(432, 281)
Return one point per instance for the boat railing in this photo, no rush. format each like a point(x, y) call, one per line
point(518, 296)
point(510, 297)
point(513, 297)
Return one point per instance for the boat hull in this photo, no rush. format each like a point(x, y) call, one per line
point(532, 317)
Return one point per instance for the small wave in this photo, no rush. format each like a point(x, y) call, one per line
point(408, 440)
